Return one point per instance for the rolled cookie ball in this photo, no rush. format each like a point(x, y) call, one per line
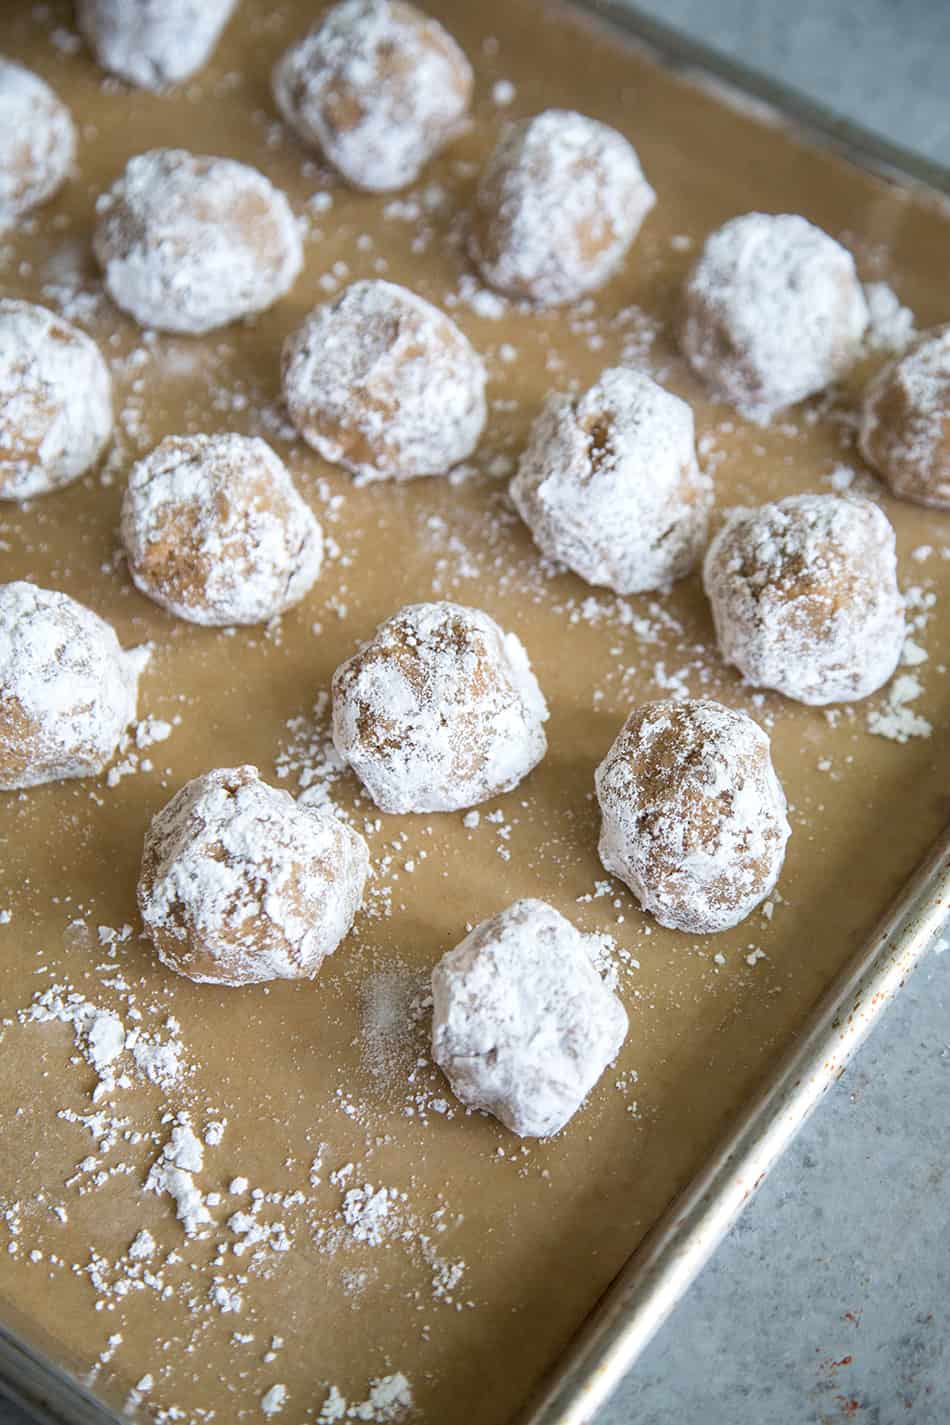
point(55, 401)
point(377, 87)
point(439, 710)
point(905, 423)
point(609, 484)
point(383, 383)
point(153, 43)
point(188, 243)
point(216, 532)
point(37, 142)
point(774, 312)
point(804, 597)
point(67, 689)
point(241, 884)
point(693, 815)
point(558, 204)
point(523, 1026)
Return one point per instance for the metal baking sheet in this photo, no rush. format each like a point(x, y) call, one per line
point(498, 1250)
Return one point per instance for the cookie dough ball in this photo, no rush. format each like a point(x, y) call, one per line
point(383, 383)
point(153, 43)
point(440, 710)
point(377, 88)
point(804, 597)
point(609, 484)
point(774, 312)
point(905, 424)
point(37, 142)
point(55, 401)
point(241, 884)
point(216, 532)
point(523, 1026)
point(693, 815)
point(188, 243)
point(67, 689)
point(558, 204)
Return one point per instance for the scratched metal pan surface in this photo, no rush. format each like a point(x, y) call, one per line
point(495, 1252)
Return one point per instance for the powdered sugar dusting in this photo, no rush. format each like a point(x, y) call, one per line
point(890, 325)
point(389, 1399)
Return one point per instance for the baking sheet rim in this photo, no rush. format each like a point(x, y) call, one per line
point(665, 1264)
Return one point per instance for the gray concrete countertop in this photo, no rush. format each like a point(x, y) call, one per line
point(828, 1303)
point(884, 64)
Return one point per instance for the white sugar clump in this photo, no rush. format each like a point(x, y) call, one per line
point(774, 312)
point(609, 484)
point(385, 384)
point(189, 242)
point(890, 323)
point(173, 1173)
point(37, 141)
point(804, 597)
point(153, 43)
point(439, 710)
point(215, 531)
point(377, 87)
point(67, 689)
point(905, 421)
point(558, 205)
point(523, 1026)
point(55, 401)
point(693, 815)
point(241, 884)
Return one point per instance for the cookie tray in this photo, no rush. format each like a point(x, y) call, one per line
point(512, 1264)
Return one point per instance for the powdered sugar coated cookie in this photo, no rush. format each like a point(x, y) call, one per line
point(774, 312)
point(693, 815)
point(37, 141)
point(523, 1026)
point(67, 689)
point(439, 710)
point(241, 884)
point(558, 205)
point(55, 401)
point(188, 243)
point(905, 421)
point(215, 531)
point(153, 43)
point(804, 597)
point(385, 384)
point(377, 87)
point(609, 484)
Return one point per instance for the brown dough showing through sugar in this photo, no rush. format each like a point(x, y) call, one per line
point(905, 429)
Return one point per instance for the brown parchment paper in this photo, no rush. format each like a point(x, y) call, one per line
point(541, 1228)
